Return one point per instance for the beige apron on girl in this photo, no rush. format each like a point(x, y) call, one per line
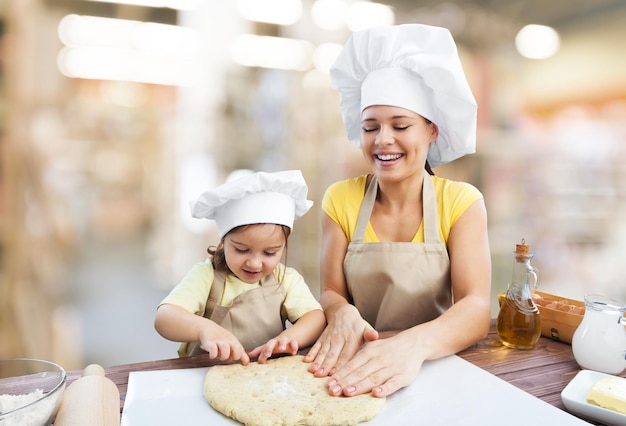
point(397, 285)
point(254, 317)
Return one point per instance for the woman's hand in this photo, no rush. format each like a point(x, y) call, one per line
point(279, 345)
point(381, 367)
point(221, 343)
point(340, 340)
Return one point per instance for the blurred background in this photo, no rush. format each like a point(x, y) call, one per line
point(113, 115)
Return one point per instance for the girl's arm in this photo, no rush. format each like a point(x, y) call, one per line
point(177, 324)
point(301, 334)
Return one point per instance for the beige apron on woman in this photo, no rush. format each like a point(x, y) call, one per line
point(397, 285)
point(254, 317)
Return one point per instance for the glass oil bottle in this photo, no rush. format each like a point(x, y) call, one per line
point(518, 323)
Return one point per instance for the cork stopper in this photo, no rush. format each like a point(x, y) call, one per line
point(522, 248)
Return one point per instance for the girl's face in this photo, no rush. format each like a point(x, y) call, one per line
point(254, 251)
point(395, 141)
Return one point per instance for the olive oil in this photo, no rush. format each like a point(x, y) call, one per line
point(519, 324)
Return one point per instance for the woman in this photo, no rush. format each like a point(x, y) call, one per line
point(405, 262)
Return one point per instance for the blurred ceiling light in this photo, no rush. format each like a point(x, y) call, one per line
point(329, 15)
point(324, 56)
point(105, 63)
point(117, 49)
point(280, 12)
point(271, 52)
point(364, 14)
point(537, 41)
point(147, 37)
point(170, 4)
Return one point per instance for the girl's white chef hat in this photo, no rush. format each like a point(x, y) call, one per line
point(412, 66)
point(259, 197)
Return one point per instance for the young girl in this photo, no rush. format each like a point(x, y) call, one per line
point(235, 305)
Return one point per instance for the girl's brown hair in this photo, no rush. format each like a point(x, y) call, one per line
point(218, 258)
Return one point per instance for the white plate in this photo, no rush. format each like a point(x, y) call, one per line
point(574, 397)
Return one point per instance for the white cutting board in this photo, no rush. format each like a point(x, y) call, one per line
point(447, 392)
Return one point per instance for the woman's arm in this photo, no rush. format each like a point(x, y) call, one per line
point(467, 321)
point(177, 324)
point(386, 365)
point(346, 330)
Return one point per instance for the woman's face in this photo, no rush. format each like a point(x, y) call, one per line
point(254, 251)
point(395, 141)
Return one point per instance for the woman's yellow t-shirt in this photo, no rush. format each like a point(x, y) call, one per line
point(342, 201)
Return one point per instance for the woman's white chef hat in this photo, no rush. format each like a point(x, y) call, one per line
point(259, 197)
point(412, 66)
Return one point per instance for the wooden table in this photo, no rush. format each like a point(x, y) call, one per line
point(543, 372)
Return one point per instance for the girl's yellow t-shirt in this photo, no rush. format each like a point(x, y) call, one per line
point(342, 201)
point(193, 290)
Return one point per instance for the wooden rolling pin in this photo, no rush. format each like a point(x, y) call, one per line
point(92, 400)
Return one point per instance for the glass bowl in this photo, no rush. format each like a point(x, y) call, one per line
point(30, 391)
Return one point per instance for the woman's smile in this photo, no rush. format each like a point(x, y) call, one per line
point(387, 159)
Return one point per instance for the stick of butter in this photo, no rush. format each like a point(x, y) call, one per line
point(609, 393)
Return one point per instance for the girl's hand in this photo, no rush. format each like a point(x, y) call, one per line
point(221, 343)
point(278, 345)
point(381, 367)
point(338, 343)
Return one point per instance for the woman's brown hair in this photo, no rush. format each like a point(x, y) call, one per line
point(427, 166)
